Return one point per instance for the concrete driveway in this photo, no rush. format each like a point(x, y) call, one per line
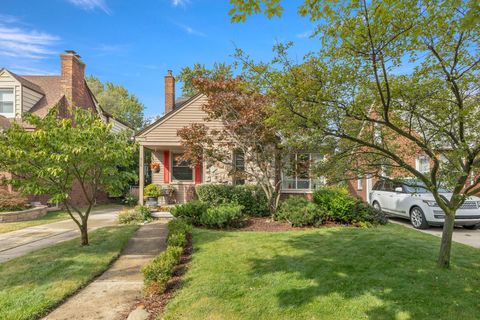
point(18, 243)
point(461, 235)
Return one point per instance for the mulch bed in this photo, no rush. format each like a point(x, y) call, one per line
point(155, 304)
point(270, 225)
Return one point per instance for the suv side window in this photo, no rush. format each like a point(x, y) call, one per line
point(388, 186)
point(378, 185)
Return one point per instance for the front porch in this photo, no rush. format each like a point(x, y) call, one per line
point(171, 172)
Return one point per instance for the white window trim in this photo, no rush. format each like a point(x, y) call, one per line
point(417, 163)
point(172, 180)
point(14, 113)
point(298, 190)
point(360, 184)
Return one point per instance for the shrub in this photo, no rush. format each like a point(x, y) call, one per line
point(159, 271)
point(130, 200)
point(300, 212)
point(224, 215)
point(366, 213)
point(152, 190)
point(145, 212)
point(129, 216)
point(251, 197)
point(179, 226)
point(132, 216)
point(337, 204)
point(340, 206)
point(214, 194)
point(177, 240)
point(12, 201)
point(192, 211)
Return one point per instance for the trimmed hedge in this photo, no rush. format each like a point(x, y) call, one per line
point(159, 271)
point(300, 212)
point(252, 198)
point(223, 215)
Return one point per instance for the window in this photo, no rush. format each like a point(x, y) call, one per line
point(378, 185)
point(297, 175)
point(359, 184)
point(422, 164)
point(6, 103)
point(238, 167)
point(181, 170)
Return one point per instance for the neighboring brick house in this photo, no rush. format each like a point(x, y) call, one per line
point(165, 145)
point(39, 94)
point(412, 154)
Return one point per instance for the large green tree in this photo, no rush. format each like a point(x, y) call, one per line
point(187, 75)
point(61, 153)
point(392, 79)
point(118, 101)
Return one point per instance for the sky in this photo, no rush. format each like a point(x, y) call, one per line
point(134, 43)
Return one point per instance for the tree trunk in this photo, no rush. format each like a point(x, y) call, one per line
point(84, 233)
point(446, 244)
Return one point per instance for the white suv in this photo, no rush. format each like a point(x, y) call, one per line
point(419, 206)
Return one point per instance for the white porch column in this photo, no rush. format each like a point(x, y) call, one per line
point(141, 180)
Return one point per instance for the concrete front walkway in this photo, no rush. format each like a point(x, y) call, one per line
point(115, 291)
point(18, 243)
point(461, 235)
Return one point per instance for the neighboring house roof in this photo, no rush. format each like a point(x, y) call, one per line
point(24, 81)
point(50, 87)
point(179, 104)
point(52, 92)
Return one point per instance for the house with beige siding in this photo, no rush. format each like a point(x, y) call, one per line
point(37, 94)
point(162, 141)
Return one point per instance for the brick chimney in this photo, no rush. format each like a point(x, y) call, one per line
point(169, 92)
point(73, 78)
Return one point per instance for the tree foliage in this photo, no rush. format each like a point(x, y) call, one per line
point(118, 101)
point(242, 111)
point(187, 75)
point(393, 79)
point(61, 153)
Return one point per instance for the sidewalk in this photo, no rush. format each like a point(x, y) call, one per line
point(18, 243)
point(114, 292)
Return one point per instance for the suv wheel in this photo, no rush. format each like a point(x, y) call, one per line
point(417, 218)
point(376, 206)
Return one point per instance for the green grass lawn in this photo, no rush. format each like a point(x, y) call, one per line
point(34, 284)
point(387, 272)
point(50, 217)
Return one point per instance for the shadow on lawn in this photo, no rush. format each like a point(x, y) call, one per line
point(396, 270)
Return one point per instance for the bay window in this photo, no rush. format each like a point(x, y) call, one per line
point(297, 172)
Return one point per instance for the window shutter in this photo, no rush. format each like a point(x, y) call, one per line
point(198, 173)
point(166, 166)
